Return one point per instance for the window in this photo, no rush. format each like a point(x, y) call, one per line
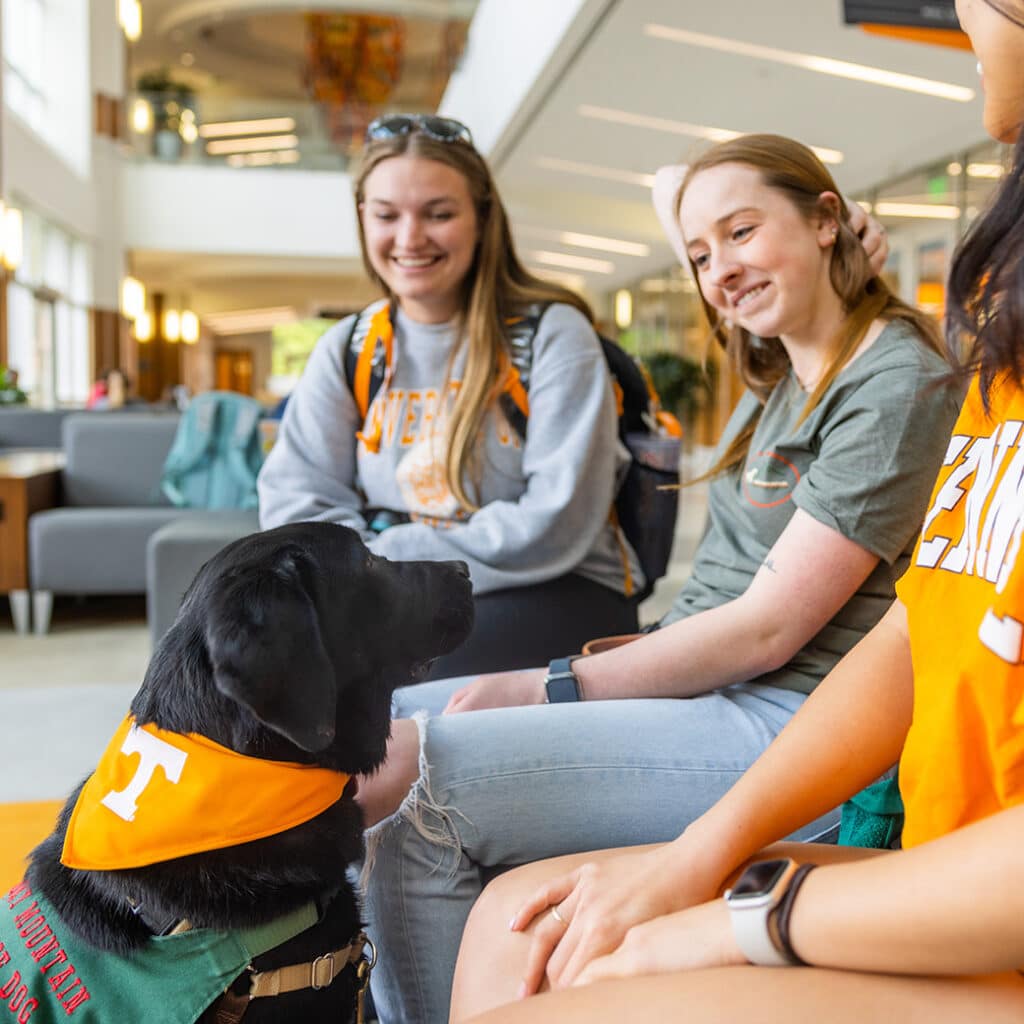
point(48, 314)
point(24, 59)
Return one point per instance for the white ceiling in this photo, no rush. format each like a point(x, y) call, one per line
point(881, 131)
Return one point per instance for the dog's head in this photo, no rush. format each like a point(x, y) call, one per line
point(290, 642)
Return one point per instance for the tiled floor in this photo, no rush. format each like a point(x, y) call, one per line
point(63, 694)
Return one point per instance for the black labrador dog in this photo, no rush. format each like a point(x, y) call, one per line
point(287, 647)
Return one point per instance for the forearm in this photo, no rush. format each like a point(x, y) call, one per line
point(846, 734)
point(714, 648)
point(952, 906)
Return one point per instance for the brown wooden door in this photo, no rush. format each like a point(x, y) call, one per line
point(232, 370)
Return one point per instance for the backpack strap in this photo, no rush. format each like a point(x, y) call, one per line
point(367, 357)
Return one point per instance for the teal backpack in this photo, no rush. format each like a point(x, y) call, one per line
point(216, 454)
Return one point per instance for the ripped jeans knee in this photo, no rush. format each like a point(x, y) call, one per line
point(420, 810)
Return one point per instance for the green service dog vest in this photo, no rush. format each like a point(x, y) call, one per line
point(48, 974)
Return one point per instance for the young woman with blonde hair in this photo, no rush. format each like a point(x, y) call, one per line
point(433, 453)
point(819, 489)
point(931, 932)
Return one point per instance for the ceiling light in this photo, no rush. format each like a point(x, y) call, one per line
point(926, 211)
point(574, 282)
point(954, 169)
point(133, 298)
point(189, 327)
point(581, 241)
point(249, 321)
point(12, 237)
point(623, 308)
point(143, 327)
point(564, 259)
point(265, 125)
point(284, 156)
point(594, 171)
point(129, 17)
point(983, 170)
point(604, 244)
point(142, 117)
point(172, 325)
point(225, 146)
point(812, 62)
point(699, 131)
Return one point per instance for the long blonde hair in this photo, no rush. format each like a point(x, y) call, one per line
point(791, 168)
point(497, 288)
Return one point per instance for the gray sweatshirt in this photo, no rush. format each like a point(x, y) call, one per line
point(544, 502)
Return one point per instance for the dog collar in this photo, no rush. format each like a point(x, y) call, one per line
point(156, 795)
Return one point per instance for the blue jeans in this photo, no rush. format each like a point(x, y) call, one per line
point(510, 786)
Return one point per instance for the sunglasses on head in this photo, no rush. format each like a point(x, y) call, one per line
point(444, 129)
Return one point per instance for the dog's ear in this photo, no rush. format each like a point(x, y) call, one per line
point(267, 652)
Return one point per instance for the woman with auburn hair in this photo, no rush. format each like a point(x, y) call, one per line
point(817, 494)
point(931, 932)
point(431, 468)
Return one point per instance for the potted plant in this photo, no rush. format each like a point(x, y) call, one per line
point(168, 99)
point(10, 393)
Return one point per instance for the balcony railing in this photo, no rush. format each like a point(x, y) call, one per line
point(179, 127)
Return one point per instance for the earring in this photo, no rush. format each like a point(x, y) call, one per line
point(978, 66)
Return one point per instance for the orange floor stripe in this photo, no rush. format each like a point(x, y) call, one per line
point(22, 826)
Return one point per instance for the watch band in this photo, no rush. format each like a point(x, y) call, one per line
point(750, 914)
point(560, 684)
point(779, 920)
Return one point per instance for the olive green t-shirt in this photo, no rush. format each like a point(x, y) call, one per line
point(863, 463)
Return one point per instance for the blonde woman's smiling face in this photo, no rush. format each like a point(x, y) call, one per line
point(759, 262)
point(420, 226)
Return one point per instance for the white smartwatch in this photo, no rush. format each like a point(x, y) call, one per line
point(751, 901)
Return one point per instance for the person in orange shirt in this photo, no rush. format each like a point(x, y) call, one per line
point(931, 932)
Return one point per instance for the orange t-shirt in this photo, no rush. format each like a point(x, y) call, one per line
point(964, 593)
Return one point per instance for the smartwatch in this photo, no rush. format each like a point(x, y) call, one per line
point(560, 684)
point(752, 902)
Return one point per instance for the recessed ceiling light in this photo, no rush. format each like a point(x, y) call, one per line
point(700, 131)
point(564, 259)
point(220, 147)
point(925, 211)
point(594, 171)
point(813, 62)
point(220, 129)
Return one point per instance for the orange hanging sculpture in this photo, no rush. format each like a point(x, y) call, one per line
point(353, 64)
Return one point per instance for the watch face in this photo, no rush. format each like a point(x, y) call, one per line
point(759, 879)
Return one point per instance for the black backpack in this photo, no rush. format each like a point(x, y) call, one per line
point(647, 502)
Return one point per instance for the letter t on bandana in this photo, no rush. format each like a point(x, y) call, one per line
point(157, 795)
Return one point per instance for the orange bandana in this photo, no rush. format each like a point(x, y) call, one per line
point(157, 795)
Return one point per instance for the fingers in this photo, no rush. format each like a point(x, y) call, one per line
point(550, 894)
point(548, 933)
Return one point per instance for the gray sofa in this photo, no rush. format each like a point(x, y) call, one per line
point(95, 542)
point(21, 426)
point(175, 553)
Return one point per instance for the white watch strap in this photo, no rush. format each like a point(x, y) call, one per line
point(750, 929)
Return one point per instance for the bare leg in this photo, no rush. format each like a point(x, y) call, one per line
point(381, 794)
point(775, 996)
point(492, 958)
